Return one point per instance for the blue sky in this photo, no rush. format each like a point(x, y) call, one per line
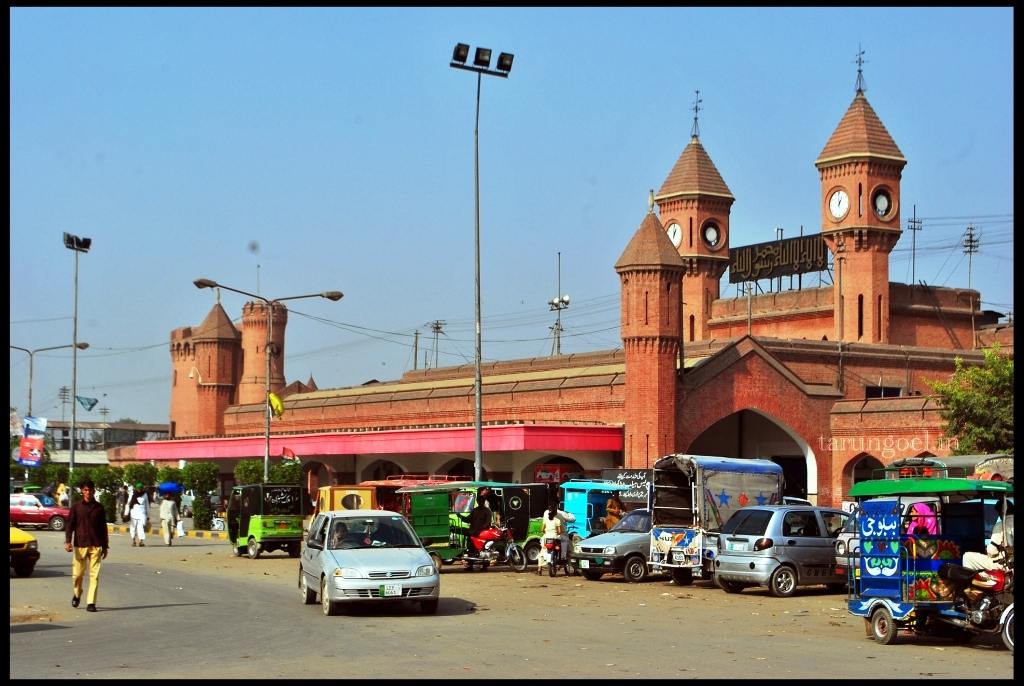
point(340, 143)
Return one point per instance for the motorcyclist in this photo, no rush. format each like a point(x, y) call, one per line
point(479, 518)
point(993, 557)
point(552, 530)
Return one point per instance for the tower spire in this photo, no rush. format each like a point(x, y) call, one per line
point(860, 71)
point(695, 131)
point(650, 201)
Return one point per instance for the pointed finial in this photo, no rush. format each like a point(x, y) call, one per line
point(860, 71)
point(695, 131)
point(217, 292)
point(650, 201)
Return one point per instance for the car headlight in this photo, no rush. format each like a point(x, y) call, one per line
point(348, 573)
point(32, 545)
point(609, 550)
point(576, 548)
point(425, 570)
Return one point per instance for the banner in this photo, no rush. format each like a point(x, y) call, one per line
point(87, 403)
point(31, 452)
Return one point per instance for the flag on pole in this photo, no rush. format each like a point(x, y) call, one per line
point(87, 403)
point(276, 406)
point(287, 454)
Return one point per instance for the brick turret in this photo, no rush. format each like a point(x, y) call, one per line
point(252, 385)
point(204, 374)
point(650, 271)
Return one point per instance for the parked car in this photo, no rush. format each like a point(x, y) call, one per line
point(38, 509)
point(623, 549)
point(189, 497)
point(368, 556)
point(24, 552)
point(781, 547)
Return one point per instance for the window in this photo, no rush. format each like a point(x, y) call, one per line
point(882, 392)
point(748, 523)
point(835, 522)
point(800, 523)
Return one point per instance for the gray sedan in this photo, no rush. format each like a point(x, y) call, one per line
point(368, 556)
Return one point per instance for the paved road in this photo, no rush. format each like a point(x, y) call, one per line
point(193, 610)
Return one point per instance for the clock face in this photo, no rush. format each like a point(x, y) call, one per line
point(712, 235)
point(675, 234)
point(883, 204)
point(839, 204)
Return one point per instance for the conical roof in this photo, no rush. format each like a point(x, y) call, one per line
point(694, 172)
point(860, 134)
point(216, 326)
point(649, 247)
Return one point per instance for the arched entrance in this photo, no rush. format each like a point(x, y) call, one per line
point(460, 467)
point(754, 434)
point(315, 475)
point(862, 468)
point(380, 470)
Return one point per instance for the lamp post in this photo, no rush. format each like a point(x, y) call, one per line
point(31, 357)
point(77, 245)
point(330, 295)
point(481, 64)
point(557, 304)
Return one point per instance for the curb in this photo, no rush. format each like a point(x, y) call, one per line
point(155, 531)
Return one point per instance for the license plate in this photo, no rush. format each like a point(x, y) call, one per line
point(282, 525)
point(390, 590)
point(678, 557)
point(732, 545)
point(584, 564)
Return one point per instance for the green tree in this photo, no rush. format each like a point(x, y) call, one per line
point(140, 472)
point(286, 472)
point(249, 472)
point(977, 404)
point(201, 477)
point(107, 479)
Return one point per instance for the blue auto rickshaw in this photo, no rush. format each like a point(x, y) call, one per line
point(587, 500)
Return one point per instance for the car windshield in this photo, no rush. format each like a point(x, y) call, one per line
point(748, 522)
point(638, 520)
point(388, 531)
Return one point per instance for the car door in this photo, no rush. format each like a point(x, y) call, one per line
point(806, 546)
point(34, 511)
point(310, 559)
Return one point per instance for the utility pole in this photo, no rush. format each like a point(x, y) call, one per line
point(913, 224)
point(971, 244)
point(557, 304)
point(415, 350)
point(436, 326)
point(64, 393)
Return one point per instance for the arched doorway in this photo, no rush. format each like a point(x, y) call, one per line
point(755, 434)
point(315, 475)
point(863, 467)
point(459, 467)
point(380, 470)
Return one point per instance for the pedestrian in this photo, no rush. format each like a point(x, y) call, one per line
point(62, 494)
point(615, 510)
point(138, 509)
point(168, 518)
point(122, 501)
point(86, 537)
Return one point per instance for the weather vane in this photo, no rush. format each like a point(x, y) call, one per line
point(695, 132)
point(860, 71)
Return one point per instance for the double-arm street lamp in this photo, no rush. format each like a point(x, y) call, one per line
point(481, 65)
point(31, 358)
point(330, 295)
point(76, 244)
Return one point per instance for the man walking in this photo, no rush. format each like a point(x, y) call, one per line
point(87, 525)
point(168, 518)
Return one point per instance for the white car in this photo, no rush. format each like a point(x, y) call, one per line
point(366, 556)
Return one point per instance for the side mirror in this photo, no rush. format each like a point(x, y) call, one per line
point(315, 545)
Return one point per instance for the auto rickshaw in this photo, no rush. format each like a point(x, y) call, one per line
point(265, 518)
point(586, 500)
point(908, 577)
point(434, 513)
point(342, 497)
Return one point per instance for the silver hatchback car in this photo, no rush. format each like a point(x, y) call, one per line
point(368, 556)
point(781, 547)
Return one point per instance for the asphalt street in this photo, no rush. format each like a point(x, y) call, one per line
point(194, 610)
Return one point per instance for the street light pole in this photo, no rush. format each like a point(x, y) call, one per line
point(31, 364)
point(77, 245)
point(481, 62)
point(329, 295)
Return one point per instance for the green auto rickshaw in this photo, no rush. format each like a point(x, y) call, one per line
point(265, 518)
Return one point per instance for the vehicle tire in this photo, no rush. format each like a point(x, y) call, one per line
point(436, 559)
point(552, 569)
point(329, 608)
point(236, 551)
point(57, 523)
point(294, 549)
point(883, 626)
point(517, 559)
point(429, 607)
point(592, 574)
point(1007, 632)
point(484, 566)
point(253, 549)
point(469, 566)
point(635, 568)
point(532, 552)
point(217, 524)
point(682, 577)
point(782, 583)
point(307, 593)
point(24, 569)
point(730, 586)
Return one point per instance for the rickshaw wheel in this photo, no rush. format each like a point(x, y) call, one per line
point(436, 559)
point(883, 626)
point(532, 552)
point(236, 551)
point(253, 549)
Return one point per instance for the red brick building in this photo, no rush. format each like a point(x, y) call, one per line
point(829, 381)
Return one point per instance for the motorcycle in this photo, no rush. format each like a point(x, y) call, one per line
point(495, 545)
point(984, 602)
point(555, 558)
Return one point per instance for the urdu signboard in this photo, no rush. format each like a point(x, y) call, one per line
point(783, 257)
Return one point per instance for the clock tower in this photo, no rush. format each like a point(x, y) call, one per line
point(694, 205)
point(860, 169)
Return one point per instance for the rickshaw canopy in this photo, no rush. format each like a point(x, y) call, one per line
point(893, 487)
